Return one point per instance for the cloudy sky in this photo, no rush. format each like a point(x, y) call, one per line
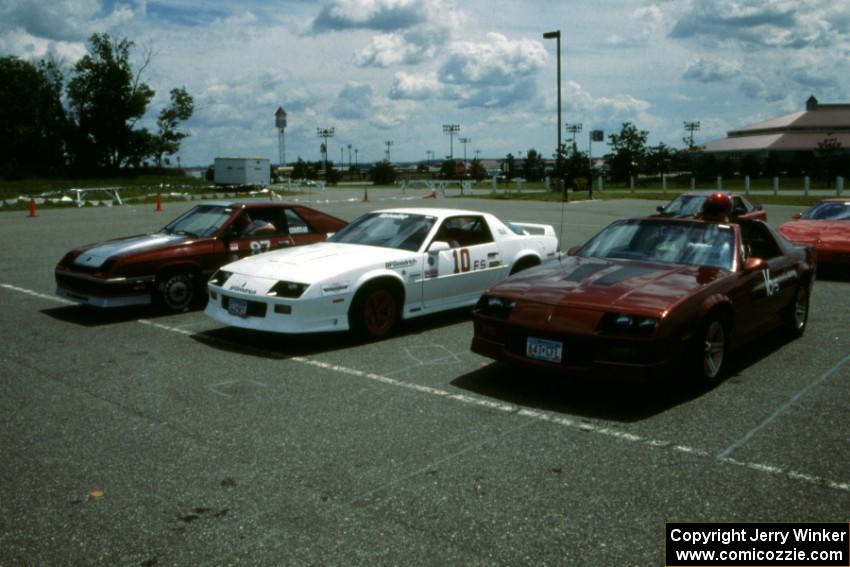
point(378, 70)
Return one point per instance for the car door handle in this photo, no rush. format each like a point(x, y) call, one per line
point(284, 243)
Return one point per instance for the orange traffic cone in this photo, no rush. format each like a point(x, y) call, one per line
point(365, 194)
point(158, 208)
point(431, 195)
point(32, 208)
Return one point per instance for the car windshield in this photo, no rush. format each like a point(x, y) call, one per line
point(404, 231)
point(684, 205)
point(829, 210)
point(689, 243)
point(203, 220)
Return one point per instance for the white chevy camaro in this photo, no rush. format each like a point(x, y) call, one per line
point(385, 266)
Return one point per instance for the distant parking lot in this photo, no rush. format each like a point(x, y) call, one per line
point(132, 438)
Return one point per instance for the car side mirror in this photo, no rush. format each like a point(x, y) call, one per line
point(573, 251)
point(439, 246)
point(660, 208)
point(754, 264)
point(757, 207)
point(796, 216)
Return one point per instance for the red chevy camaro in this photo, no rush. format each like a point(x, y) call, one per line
point(826, 228)
point(648, 295)
point(170, 267)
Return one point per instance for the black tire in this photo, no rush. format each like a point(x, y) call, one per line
point(524, 264)
point(375, 312)
point(796, 315)
point(710, 351)
point(177, 291)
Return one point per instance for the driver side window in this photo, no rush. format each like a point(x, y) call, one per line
point(758, 241)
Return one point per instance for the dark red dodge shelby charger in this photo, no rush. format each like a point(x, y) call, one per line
point(170, 267)
point(647, 295)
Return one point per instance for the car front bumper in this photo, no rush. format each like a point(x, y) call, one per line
point(104, 292)
point(581, 355)
point(280, 315)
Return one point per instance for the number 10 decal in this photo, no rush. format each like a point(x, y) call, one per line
point(463, 264)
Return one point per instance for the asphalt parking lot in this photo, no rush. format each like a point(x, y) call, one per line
point(133, 438)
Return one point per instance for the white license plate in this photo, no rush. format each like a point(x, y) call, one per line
point(541, 349)
point(237, 307)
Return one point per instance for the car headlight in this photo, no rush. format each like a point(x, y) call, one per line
point(624, 325)
point(220, 277)
point(291, 290)
point(493, 306)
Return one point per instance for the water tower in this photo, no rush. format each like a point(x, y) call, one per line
point(280, 124)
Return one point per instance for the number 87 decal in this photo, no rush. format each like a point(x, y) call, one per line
point(462, 264)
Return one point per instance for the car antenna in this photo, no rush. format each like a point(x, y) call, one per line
point(563, 220)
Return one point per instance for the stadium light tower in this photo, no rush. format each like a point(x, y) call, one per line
point(280, 124)
point(574, 129)
point(388, 144)
point(691, 127)
point(464, 141)
point(325, 133)
point(451, 130)
point(556, 35)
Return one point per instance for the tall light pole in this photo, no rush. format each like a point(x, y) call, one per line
point(430, 154)
point(691, 127)
point(451, 130)
point(325, 133)
point(349, 157)
point(388, 144)
point(355, 158)
point(557, 36)
point(464, 141)
point(574, 129)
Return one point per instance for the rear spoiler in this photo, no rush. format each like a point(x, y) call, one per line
point(534, 228)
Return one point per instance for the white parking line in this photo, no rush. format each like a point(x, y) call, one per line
point(508, 408)
point(782, 409)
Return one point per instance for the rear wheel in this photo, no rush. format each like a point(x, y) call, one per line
point(176, 291)
point(796, 314)
point(374, 312)
point(710, 351)
point(524, 264)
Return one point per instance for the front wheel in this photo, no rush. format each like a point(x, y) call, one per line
point(710, 351)
point(796, 315)
point(176, 291)
point(374, 313)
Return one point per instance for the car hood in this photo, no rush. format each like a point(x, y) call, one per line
point(610, 285)
point(317, 262)
point(96, 255)
point(812, 231)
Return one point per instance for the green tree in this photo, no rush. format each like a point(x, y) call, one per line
point(576, 166)
point(32, 120)
point(106, 100)
point(510, 167)
point(476, 170)
point(168, 139)
point(448, 169)
point(532, 167)
point(659, 159)
point(629, 151)
point(383, 173)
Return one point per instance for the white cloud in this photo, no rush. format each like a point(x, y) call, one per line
point(415, 87)
point(711, 70)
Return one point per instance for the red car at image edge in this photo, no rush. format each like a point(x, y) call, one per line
point(170, 267)
point(826, 228)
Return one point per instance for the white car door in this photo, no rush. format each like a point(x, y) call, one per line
point(472, 263)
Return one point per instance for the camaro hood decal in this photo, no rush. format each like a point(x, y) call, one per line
point(609, 284)
point(317, 262)
point(96, 256)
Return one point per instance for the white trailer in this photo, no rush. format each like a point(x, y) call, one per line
point(243, 171)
